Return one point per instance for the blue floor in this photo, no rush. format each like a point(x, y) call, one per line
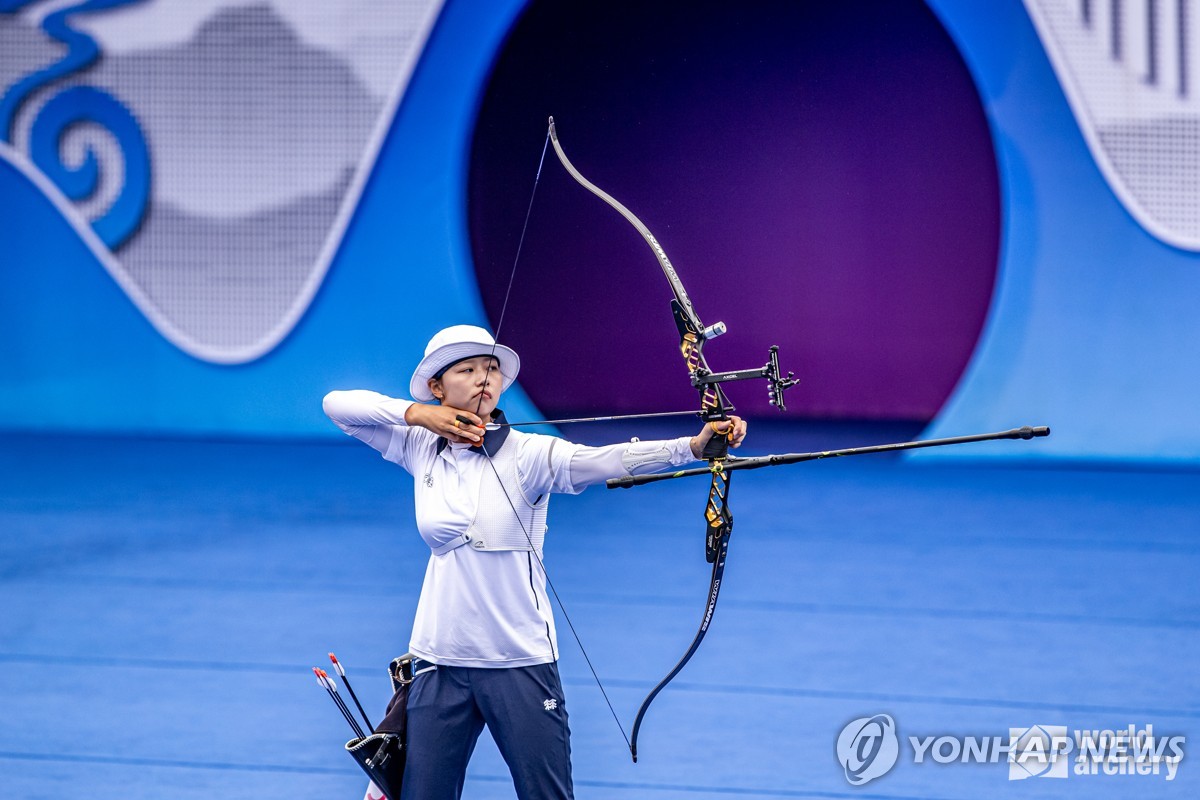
point(164, 600)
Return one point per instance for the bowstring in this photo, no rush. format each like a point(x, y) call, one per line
point(495, 343)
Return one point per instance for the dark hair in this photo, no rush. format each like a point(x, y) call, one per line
point(438, 375)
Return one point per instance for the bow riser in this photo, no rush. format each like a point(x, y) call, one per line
point(717, 514)
point(713, 402)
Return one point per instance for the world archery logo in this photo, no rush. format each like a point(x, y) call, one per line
point(867, 748)
point(1037, 752)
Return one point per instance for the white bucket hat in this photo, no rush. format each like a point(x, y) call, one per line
point(453, 344)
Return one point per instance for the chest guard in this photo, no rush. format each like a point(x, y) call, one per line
point(495, 526)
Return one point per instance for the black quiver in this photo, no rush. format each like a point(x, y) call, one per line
point(382, 754)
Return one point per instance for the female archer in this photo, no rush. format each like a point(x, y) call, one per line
point(484, 637)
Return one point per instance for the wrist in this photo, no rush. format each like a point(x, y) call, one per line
point(414, 415)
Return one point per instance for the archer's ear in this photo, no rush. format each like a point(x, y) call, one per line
point(435, 388)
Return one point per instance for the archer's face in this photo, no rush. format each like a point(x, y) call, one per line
point(471, 385)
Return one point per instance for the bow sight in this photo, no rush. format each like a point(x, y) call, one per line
point(703, 377)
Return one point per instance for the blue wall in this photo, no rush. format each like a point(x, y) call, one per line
point(80, 356)
point(1092, 328)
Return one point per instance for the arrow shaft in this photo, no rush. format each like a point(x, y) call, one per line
point(604, 419)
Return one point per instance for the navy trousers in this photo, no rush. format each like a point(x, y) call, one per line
point(522, 707)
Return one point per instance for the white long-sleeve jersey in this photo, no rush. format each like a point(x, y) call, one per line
point(483, 607)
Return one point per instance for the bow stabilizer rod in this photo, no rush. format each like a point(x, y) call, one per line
point(733, 463)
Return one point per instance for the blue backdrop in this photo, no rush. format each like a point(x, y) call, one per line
point(1091, 328)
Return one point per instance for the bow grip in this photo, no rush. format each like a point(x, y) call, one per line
point(717, 446)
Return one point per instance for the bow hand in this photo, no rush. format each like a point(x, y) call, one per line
point(715, 438)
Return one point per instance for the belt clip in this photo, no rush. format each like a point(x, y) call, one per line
point(403, 669)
